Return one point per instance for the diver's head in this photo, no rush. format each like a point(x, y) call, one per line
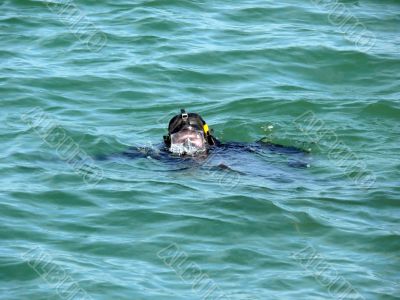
point(188, 134)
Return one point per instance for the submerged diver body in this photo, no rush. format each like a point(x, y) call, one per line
point(189, 143)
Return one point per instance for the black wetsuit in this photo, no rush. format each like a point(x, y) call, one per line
point(222, 156)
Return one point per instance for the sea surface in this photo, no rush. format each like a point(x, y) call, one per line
point(84, 80)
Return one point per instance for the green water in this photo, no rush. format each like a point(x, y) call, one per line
point(96, 77)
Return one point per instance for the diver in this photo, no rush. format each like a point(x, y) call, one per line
point(190, 139)
point(188, 134)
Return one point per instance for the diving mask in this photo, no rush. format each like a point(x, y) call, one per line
point(188, 141)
